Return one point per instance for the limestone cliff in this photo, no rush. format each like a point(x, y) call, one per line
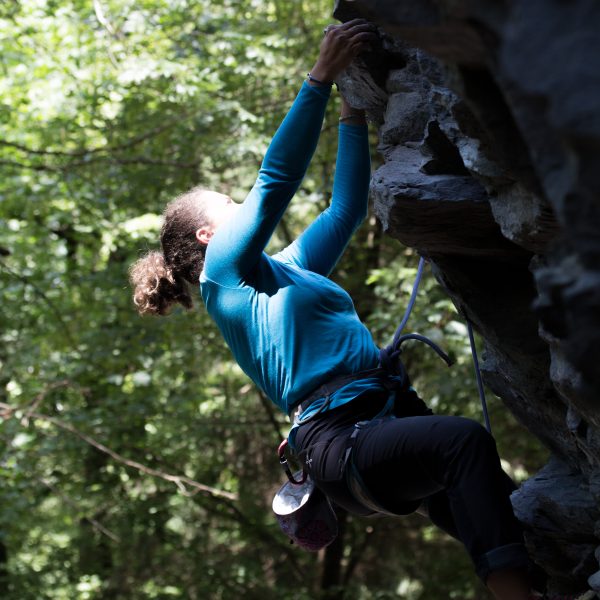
point(489, 123)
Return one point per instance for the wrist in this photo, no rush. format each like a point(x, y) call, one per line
point(315, 82)
point(353, 120)
point(322, 73)
point(351, 115)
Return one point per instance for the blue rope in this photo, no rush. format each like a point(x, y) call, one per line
point(391, 353)
point(411, 302)
point(389, 357)
point(478, 377)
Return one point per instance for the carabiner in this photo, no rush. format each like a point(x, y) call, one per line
point(284, 464)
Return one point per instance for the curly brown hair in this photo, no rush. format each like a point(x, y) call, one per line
point(160, 279)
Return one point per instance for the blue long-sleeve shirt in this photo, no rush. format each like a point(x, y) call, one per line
point(290, 328)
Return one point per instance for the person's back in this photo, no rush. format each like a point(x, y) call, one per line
point(289, 327)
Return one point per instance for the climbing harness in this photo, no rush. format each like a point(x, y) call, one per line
point(304, 513)
point(390, 359)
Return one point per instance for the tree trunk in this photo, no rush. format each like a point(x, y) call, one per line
point(3, 571)
point(331, 579)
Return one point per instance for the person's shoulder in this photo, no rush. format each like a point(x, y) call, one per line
point(285, 259)
point(209, 282)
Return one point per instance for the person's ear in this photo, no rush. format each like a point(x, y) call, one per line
point(203, 235)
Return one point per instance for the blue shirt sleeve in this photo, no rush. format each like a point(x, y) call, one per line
point(321, 245)
point(237, 245)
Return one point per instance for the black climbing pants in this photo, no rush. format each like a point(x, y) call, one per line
point(447, 465)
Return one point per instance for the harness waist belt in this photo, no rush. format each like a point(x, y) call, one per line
point(333, 385)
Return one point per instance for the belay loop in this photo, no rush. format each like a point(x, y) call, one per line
point(286, 467)
point(390, 355)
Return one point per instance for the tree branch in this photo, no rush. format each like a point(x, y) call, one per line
point(356, 555)
point(43, 296)
point(180, 481)
point(93, 522)
point(99, 11)
point(272, 541)
point(14, 163)
point(140, 160)
point(287, 234)
point(125, 145)
point(270, 413)
point(35, 404)
point(107, 149)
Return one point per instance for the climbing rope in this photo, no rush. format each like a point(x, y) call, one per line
point(478, 377)
point(389, 356)
point(413, 297)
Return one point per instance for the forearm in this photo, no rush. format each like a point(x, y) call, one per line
point(238, 244)
point(323, 242)
point(352, 173)
point(295, 141)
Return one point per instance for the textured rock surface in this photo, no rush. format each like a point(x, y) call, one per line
point(489, 124)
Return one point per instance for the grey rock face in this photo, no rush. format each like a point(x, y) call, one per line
point(489, 124)
point(558, 502)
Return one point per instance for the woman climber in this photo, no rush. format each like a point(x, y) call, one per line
point(296, 334)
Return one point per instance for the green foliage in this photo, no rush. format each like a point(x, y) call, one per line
point(108, 108)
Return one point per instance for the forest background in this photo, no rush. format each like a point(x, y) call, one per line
point(136, 459)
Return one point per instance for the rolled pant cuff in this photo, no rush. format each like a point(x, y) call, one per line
point(504, 557)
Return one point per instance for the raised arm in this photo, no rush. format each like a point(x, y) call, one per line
point(238, 244)
point(321, 245)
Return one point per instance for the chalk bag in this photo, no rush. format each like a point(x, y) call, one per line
point(303, 511)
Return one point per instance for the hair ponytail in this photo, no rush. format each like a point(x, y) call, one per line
point(160, 279)
point(155, 287)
